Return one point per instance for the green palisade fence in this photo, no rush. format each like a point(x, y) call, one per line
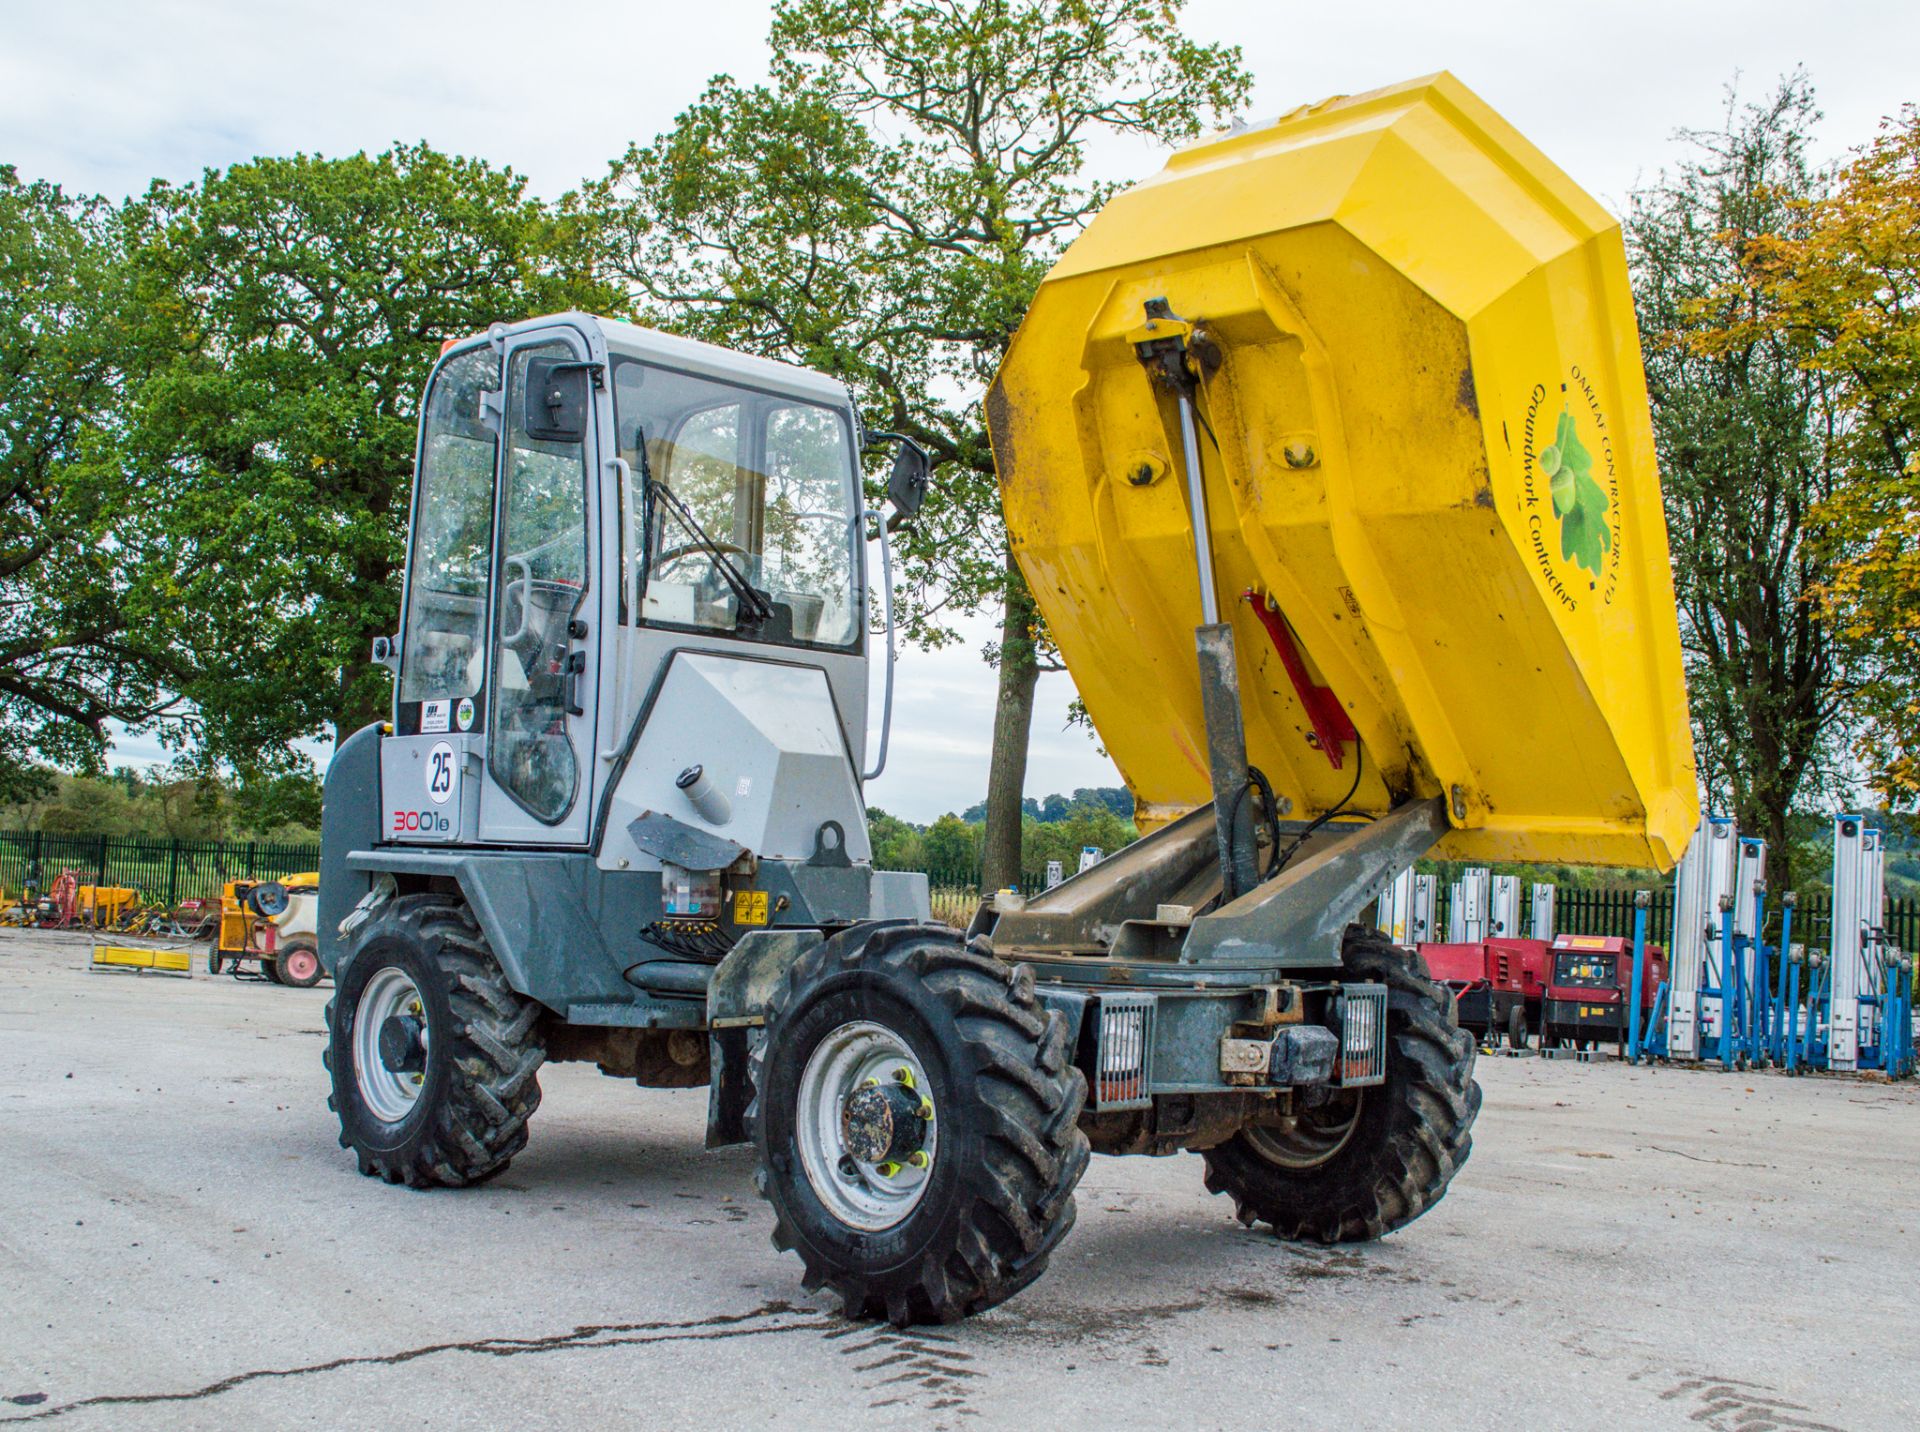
point(166, 871)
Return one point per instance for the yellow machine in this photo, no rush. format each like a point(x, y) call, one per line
point(1326, 454)
point(269, 922)
point(104, 905)
point(1428, 494)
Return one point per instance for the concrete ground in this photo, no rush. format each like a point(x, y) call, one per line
point(183, 1244)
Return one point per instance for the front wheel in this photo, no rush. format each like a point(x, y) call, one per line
point(434, 1057)
point(1372, 1159)
point(914, 1113)
point(1517, 1027)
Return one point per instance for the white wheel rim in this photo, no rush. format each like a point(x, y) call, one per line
point(1307, 1144)
point(859, 1194)
point(390, 1095)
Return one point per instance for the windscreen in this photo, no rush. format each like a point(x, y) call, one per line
point(752, 525)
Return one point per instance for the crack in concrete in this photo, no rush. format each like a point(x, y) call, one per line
point(585, 1337)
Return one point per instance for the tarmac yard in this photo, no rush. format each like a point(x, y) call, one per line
point(184, 1244)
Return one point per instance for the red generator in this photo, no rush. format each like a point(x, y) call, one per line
point(1587, 992)
point(1498, 985)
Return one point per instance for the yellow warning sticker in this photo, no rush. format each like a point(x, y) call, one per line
point(749, 907)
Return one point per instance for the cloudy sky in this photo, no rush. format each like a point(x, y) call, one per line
point(105, 95)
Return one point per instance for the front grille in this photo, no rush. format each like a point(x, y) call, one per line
point(1125, 1052)
point(1363, 1034)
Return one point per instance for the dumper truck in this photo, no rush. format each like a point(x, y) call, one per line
point(1327, 457)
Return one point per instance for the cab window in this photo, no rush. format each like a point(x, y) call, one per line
point(757, 491)
point(444, 653)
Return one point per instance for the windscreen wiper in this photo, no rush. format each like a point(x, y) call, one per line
point(760, 608)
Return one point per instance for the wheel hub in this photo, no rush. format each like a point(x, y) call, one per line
point(402, 1049)
point(865, 1125)
point(882, 1124)
point(391, 1043)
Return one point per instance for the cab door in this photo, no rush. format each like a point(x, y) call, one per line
point(543, 669)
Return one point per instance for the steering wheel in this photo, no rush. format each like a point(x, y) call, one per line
point(666, 559)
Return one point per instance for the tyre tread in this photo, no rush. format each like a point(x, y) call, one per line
point(1018, 1203)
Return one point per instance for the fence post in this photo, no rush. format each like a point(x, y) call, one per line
point(173, 873)
point(100, 867)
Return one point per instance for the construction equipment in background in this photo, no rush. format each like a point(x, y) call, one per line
point(141, 959)
point(618, 815)
point(1541, 912)
point(268, 928)
point(1860, 995)
point(1739, 999)
point(104, 907)
point(1495, 988)
point(1592, 985)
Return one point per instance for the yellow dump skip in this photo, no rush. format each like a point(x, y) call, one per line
point(1431, 482)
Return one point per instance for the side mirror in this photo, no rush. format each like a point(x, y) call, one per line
point(556, 406)
point(907, 484)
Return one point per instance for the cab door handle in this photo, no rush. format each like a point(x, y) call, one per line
point(575, 668)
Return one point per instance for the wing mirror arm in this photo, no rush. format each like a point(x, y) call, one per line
point(886, 587)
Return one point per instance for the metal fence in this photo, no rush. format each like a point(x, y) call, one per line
point(968, 878)
point(170, 871)
point(163, 871)
point(1610, 912)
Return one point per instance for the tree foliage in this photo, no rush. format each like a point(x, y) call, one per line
point(182, 801)
point(1743, 433)
point(73, 653)
point(297, 305)
point(1841, 286)
point(884, 209)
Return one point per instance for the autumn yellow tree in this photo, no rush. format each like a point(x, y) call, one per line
point(1845, 288)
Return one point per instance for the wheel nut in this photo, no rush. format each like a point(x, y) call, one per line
point(918, 1158)
point(888, 1170)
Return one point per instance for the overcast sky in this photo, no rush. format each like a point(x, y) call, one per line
point(105, 95)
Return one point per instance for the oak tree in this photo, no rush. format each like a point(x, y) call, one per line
point(300, 303)
point(74, 655)
point(1841, 285)
point(884, 208)
point(1743, 436)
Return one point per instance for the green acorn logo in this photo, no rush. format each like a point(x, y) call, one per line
point(1578, 501)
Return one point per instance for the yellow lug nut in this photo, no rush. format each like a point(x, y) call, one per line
point(918, 1158)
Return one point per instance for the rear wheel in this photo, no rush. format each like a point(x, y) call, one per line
point(1517, 1027)
point(298, 965)
point(1373, 1159)
point(434, 1057)
point(915, 1117)
point(270, 969)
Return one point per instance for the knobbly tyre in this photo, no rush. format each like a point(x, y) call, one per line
point(618, 815)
